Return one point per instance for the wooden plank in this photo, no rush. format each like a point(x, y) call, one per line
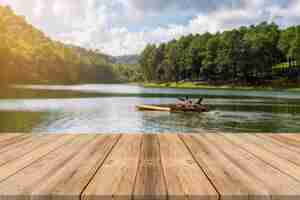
point(290, 139)
point(18, 144)
point(268, 152)
point(19, 149)
point(72, 178)
point(184, 178)
point(279, 149)
point(115, 179)
point(295, 137)
point(24, 183)
point(14, 166)
point(218, 167)
point(6, 136)
point(236, 173)
point(11, 139)
point(283, 141)
point(150, 182)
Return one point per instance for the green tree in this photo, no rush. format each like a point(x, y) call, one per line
point(27, 55)
point(145, 62)
point(197, 52)
point(295, 47)
point(285, 42)
point(210, 67)
point(5, 54)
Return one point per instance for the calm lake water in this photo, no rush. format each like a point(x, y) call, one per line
point(111, 109)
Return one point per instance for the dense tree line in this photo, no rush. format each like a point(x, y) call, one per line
point(129, 72)
point(27, 55)
point(244, 55)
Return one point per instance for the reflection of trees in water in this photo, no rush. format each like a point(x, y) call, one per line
point(25, 93)
point(17, 121)
point(262, 122)
point(269, 116)
point(173, 122)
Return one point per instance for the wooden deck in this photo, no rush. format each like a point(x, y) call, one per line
point(165, 166)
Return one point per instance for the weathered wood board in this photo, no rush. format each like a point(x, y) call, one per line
point(144, 166)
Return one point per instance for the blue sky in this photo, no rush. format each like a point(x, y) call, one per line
point(119, 27)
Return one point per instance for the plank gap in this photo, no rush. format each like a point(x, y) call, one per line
point(260, 157)
point(100, 165)
point(193, 156)
point(17, 170)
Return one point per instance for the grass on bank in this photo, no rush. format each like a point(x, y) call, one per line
point(193, 85)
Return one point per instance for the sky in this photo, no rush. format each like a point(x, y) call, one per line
point(124, 27)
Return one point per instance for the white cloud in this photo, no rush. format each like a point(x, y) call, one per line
point(125, 26)
point(289, 15)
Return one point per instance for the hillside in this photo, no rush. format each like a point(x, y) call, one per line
point(127, 59)
point(27, 55)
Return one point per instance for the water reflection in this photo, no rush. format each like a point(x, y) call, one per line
point(118, 90)
point(118, 114)
point(18, 121)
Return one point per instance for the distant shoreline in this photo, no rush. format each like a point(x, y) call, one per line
point(197, 85)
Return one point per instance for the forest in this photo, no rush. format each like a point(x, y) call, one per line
point(253, 55)
point(27, 55)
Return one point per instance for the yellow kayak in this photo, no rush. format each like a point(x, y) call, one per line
point(153, 108)
point(172, 108)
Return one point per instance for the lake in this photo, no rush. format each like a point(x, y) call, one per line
point(100, 108)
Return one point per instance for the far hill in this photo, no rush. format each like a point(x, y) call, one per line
point(126, 59)
point(27, 55)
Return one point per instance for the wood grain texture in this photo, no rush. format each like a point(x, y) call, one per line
point(184, 178)
point(14, 166)
point(280, 149)
point(291, 142)
point(150, 182)
point(268, 152)
point(115, 179)
point(163, 166)
point(5, 136)
point(279, 185)
point(236, 173)
point(23, 142)
point(295, 137)
point(21, 148)
point(72, 178)
point(27, 182)
point(10, 140)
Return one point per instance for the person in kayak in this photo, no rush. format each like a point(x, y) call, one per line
point(199, 102)
point(184, 103)
point(199, 106)
point(181, 103)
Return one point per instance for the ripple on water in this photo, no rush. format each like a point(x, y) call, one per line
point(235, 113)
